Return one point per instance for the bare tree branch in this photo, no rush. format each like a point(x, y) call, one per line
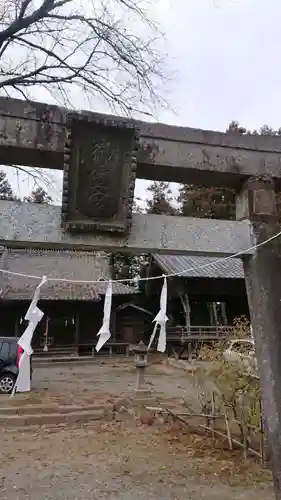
point(103, 48)
point(37, 175)
point(92, 45)
point(36, 178)
point(23, 8)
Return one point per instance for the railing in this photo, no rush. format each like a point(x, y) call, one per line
point(182, 333)
point(88, 348)
point(111, 348)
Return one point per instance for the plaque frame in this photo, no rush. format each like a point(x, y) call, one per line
point(72, 219)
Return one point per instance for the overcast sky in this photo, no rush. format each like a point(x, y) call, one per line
point(227, 57)
point(224, 57)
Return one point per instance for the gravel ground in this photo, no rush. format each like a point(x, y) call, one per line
point(114, 461)
point(100, 381)
point(117, 462)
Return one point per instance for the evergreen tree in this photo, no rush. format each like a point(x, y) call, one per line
point(39, 195)
point(161, 201)
point(126, 266)
point(235, 128)
point(217, 202)
point(6, 192)
point(207, 202)
point(137, 209)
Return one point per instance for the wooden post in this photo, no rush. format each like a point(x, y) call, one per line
point(184, 298)
point(213, 406)
point(257, 202)
point(113, 324)
point(76, 335)
point(16, 327)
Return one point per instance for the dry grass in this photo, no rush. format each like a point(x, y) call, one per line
point(212, 458)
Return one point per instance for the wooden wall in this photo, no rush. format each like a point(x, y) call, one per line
point(132, 325)
point(71, 322)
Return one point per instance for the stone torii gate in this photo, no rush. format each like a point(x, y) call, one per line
point(102, 155)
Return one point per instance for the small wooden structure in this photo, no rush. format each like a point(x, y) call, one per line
point(203, 299)
point(133, 322)
point(73, 311)
point(205, 292)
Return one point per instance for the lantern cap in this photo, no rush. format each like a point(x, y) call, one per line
point(140, 348)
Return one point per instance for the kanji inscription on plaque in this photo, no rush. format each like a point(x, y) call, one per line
point(99, 175)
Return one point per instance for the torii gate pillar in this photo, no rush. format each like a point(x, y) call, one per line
point(257, 202)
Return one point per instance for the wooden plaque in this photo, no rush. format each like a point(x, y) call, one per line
point(99, 175)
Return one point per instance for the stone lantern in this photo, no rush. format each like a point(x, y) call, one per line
point(140, 352)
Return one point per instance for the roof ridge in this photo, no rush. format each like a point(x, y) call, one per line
point(199, 266)
point(39, 251)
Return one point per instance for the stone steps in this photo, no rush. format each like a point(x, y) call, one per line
point(29, 409)
point(40, 415)
point(49, 360)
point(77, 360)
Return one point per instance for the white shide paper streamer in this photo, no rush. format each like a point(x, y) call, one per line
point(104, 332)
point(161, 319)
point(33, 316)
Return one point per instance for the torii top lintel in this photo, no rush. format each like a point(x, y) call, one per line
point(33, 133)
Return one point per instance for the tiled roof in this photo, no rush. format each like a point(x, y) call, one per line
point(63, 264)
point(230, 268)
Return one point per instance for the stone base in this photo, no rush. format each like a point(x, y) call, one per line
point(141, 393)
point(125, 414)
point(142, 397)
